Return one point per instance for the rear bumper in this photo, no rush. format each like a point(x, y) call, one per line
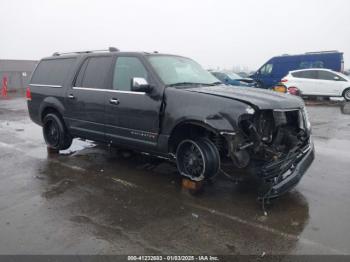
point(290, 177)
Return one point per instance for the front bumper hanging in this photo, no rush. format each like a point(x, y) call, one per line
point(279, 177)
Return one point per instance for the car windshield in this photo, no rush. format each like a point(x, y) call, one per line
point(234, 75)
point(180, 71)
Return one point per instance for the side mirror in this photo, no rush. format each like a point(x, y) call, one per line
point(336, 78)
point(139, 84)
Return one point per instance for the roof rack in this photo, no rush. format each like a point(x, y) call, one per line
point(110, 49)
point(322, 52)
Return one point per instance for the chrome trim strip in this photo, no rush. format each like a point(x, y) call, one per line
point(45, 85)
point(286, 110)
point(108, 90)
point(132, 130)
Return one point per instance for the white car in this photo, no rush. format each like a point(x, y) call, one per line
point(318, 82)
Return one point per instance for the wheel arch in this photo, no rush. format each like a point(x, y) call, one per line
point(51, 104)
point(188, 129)
point(345, 89)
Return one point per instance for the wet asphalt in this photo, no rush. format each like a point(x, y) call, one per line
point(91, 199)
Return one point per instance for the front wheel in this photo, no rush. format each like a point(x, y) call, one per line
point(55, 133)
point(197, 159)
point(346, 94)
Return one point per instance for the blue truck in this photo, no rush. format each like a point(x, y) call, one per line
point(277, 67)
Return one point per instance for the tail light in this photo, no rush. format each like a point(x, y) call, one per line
point(28, 94)
point(284, 80)
point(293, 91)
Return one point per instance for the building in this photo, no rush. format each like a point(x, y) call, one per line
point(17, 72)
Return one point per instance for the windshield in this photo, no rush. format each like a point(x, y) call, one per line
point(175, 70)
point(234, 75)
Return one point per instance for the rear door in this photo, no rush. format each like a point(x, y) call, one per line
point(132, 118)
point(307, 82)
point(85, 100)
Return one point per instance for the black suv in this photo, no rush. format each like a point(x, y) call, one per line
point(170, 107)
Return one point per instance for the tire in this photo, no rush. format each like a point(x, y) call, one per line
point(346, 94)
point(197, 159)
point(55, 133)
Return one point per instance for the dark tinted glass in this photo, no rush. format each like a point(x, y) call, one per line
point(96, 72)
point(267, 69)
point(311, 64)
point(310, 74)
point(79, 80)
point(125, 69)
point(297, 74)
point(324, 75)
point(52, 72)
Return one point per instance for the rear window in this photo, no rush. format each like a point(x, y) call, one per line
point(52, 72)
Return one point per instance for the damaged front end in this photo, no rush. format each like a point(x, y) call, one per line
point(273, 145)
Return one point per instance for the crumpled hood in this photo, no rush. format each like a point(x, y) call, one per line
point(263, 99)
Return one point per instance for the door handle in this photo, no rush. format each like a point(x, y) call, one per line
point(70, 96)
point(114, 101)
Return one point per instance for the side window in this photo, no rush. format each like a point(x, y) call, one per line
point(298, 74)
point(314, 64)
point(78, 81)
point(317, 64)
point(125, 69)
point(305, 65)
point(325, 75)
point(309, 74)
point(53, 71)
point(94, 72)
point(267, 69)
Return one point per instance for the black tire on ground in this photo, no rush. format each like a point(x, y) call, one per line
point(214, 155)
point(346, 94)
point(55, 133)
point(197, 159)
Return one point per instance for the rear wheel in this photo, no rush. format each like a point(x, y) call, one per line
point(197, 159)
point(55, 133)
point(346, 94)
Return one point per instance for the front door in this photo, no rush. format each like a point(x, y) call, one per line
point(330, 83)
point(132, 118)
point(85, 100)
point(265, 76)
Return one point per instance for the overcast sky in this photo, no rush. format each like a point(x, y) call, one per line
point(215, 33)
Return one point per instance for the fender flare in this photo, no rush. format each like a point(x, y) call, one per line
point(51, 102)
point(217, 127)
point(215, 123)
